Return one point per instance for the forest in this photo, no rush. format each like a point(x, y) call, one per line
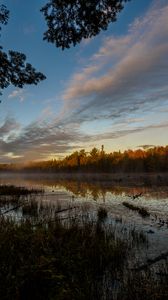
point(151, 160)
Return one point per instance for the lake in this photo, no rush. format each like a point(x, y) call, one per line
point(148, 192)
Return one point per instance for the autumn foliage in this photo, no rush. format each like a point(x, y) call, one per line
point(151, 160)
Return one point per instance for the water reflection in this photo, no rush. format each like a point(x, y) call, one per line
point(110, 194)
point(95, 188)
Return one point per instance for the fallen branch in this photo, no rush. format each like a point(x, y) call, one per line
point(151, 262)
point(55, 220)
point(141, 210)
point(65, 209)
point(12, 209)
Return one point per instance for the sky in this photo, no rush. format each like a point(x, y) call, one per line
point(109, 90)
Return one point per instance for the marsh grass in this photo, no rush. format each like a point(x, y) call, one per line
point(57, 260)
point(6, 201)
point(58, 252)
point(30, 208)
point(12, 198)
point(145, 285)
point(71, 260)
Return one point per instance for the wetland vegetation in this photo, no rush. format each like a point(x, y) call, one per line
point(66, 250)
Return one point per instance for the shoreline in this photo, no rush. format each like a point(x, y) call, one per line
point(142, 179)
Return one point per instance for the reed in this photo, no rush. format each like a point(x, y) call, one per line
point(62, 252)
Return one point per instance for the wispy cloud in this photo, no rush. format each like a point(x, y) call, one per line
point(145, 147)
point(41, 140)
point(122, 83)
point(8, 126)
point(124, 132)
point(127, 71)
point(38, 140)
point(46, 115)
point(10, 155)
point(18, 94)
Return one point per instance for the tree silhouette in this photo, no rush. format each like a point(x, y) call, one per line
point(69, 21)
point(130, 161)
point(4, 15)
point(13, 66)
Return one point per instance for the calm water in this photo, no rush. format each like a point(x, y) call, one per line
point(105, 193)
point(153, 197)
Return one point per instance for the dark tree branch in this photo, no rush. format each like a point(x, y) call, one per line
point(4, 15)
point(14, 70)
point(13, 66)
point(69, 21)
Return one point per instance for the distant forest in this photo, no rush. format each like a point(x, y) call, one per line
point(150, 160)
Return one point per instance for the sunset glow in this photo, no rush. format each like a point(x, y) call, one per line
point(109, 90)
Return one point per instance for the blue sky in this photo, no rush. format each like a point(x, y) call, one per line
point(109, 90)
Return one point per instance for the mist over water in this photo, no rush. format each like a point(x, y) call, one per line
point(91, 193)
point(111, 193)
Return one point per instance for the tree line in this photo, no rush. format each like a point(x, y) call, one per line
point(151, 160)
